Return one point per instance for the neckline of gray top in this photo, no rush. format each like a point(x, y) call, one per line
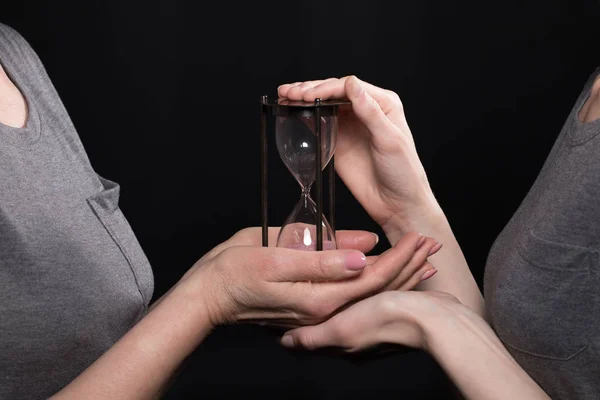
point(31, 133)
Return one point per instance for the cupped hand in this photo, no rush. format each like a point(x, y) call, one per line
point(242, 281)
point(387, 318)
point(376, 155)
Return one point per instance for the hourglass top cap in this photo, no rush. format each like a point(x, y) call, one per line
point(286, 107)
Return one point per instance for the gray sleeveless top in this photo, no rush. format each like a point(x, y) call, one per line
point(73, 278)
point(542, 279)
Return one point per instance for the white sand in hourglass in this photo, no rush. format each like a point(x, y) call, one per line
point(309, 241)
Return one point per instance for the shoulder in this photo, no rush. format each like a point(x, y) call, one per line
point(18, 54)
point(13, 44)
point(11, 36)
point(596, 74)
point(592, 78)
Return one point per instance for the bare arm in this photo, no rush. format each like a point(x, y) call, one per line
point(377, 159)
point(474, 358)
point(140, 365)
point(241, 281)
point(459, 339)
point(454, 275)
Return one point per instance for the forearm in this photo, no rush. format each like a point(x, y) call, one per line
point(454, 275)
point(476, 360)
point(141, 364)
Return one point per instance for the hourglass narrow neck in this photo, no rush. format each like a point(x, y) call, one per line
point(306, 191)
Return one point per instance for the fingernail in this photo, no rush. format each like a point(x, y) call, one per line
point(435, 249)
point(421, 241)
point(428, 274)
point(287, 341)
point(376, 238)
point(355, 261)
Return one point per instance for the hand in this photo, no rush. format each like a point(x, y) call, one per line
point(391, 318)
point(240, 281)
point(376, 155)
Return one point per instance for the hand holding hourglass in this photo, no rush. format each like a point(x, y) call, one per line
point(240, 281)
point(309, 286)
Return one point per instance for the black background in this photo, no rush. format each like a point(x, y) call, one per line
point(165, 98)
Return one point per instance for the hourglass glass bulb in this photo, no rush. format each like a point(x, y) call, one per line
point(296, 144)
point(300, 229)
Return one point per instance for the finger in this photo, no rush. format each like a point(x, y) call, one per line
point(380, 273)
point(387, 266)
point(288, 265)
point(337, 89)
point(330, 89)
point(312, 337)
point(425, 272)
point(291, 92)
point(329, 296)
point(363, 241)
point(297, 91)
point(369, 111)
point(387, 100)
point(283, 89)
point(333, 88)
point(409, 269)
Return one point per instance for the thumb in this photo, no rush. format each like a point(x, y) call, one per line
point(316, 266)
point(311, 337)
point(366, 108)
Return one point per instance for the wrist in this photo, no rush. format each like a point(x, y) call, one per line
point(435, 330)
point(424, 320)
point(446, 322)
point(408, 318)
point(209, 288)
point(427, 218)
point(195, 290)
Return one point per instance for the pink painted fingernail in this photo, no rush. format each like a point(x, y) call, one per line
point(421, 241)
point(355, 261)
point(435, 249)
point(428, 274)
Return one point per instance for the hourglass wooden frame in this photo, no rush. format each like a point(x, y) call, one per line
point(315, 110)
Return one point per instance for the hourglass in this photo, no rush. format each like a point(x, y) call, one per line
point(305, 134)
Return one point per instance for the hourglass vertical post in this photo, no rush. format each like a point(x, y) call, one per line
point(263, 171)
point(332, 194)
point(319, 177)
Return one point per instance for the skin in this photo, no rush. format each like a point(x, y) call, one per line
point(442, 320)
point(459, 339)
point(238, 281)
point(377, 160)
point(591, 109)
point(13, 108)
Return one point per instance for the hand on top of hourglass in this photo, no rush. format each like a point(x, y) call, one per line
point(376, 155)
